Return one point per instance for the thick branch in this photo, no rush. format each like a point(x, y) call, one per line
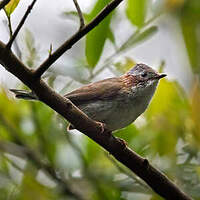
point(76, 37)
point(4, 3)
point(80, 14)
point(155, 179)
point(21, 23)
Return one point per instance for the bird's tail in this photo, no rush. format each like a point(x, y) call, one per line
point(23, 94)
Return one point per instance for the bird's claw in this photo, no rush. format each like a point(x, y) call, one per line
point(101, 126)
point(122, 142)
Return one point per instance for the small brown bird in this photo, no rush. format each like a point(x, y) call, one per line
point(116, 102)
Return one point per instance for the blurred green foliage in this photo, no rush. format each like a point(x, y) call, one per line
point(190, 22)
point(95, 39)
point(168, 133)
point(136, 11)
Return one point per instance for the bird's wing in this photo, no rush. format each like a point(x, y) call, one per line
point(104, 89)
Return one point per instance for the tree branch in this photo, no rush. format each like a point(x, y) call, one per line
point(3, 3)
point(76, 37)
point(80, 14)
point(21, 24)
point(140, 166)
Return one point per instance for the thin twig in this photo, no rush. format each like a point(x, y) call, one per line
point(4, 3)
point(17, 49)
point(20, 24)
point(10, 26)
point(80, 14)
point(76, 37)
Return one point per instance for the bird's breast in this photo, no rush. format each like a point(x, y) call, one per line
point(118, 112)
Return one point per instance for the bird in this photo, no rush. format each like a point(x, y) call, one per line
point(115, 102)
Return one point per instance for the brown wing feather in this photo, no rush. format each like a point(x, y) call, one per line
point(99, 90)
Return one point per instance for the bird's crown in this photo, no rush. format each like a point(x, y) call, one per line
point(143, 72)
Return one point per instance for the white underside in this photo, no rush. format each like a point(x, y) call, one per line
point(121, 112)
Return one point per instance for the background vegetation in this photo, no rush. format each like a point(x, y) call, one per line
point(168, 133)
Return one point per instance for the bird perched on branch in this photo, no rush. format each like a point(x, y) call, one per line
point(116, 102)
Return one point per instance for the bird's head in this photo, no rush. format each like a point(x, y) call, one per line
point(145, 78)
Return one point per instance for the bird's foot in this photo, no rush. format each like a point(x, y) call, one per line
point(70, 127)
point(103, 128)
point(122, 142)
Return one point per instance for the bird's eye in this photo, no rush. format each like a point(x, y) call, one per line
point(144, 74)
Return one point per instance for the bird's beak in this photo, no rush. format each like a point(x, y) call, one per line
point(161, 76)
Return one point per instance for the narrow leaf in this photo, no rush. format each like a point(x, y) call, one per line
point(190, 22)
point(138, 38)
point(95, 39)
point(191, 41)
point(10, 7)
point(136, 11)
point(125, 66)
point(111, 36)
point(74, 15)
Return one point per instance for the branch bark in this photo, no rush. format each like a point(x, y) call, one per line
point(80, 14)
point(140, 166)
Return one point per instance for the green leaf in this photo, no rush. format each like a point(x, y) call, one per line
point(31, 189)
point(111, 36)
point(191, 41)
point(166, 114)
point(138, 38)
point(136, 12)
point(125, 66)
point(128, 133)
point(168, 99)
point(74, 14)
point(10, 7)
point(96, 38)
point(195, 109)
point(190, 22)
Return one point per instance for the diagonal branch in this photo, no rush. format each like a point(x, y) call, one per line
point(4, 3)
point(21, 24)
point(80, 14)
point(76, 37)
point(140, 166)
